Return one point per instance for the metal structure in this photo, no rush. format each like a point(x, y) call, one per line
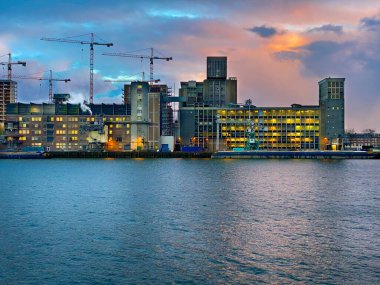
point(50, 79)
point(91, 43)
point(151, 59)
point(9, 64)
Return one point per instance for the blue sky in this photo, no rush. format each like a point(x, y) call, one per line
point(278, 50)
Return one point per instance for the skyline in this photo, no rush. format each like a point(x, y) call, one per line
point(278, 51)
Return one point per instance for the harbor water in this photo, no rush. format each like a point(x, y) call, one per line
point(202, 221)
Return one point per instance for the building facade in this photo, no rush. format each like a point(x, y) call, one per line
point(331, 102)
point(360, 141)
point(8, 92)
point(213, 128)
point(67, 127)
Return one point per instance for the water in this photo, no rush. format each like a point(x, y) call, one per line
point(189, 221)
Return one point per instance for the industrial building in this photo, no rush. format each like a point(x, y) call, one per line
point(218, 123)
point(208, 118)
point(216, 90)
point(138, 125)
point(213, 128)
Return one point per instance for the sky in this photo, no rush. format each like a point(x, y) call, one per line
point(278, 50)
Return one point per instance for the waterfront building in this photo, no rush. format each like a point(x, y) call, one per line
point(8, 92)
point(137, 125)
point(331, 102)
point(152, 114)
point(67, 126)
point(280, 128)
point(229, 126)
point(359, 141)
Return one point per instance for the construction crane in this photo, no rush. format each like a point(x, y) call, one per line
point(151, 59)
point(10, 63)
point(50, 79)
point(92, 44)
point(117, 80)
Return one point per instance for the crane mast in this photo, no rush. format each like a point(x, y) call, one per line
point(151, 58)
point(50, 80)
point(9, 64)
point(91, 43)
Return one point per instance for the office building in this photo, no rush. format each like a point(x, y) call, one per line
point(331, 102)
point(67, 127)
point(280, 128)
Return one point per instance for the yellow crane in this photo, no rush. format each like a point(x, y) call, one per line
point(91, 43)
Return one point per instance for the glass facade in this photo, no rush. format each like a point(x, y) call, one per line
point(273, 128)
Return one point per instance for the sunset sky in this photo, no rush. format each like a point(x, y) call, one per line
point(278, 50)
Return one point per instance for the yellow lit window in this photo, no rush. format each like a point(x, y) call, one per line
point(20, 119)
point(22, 138)
point(60, 132)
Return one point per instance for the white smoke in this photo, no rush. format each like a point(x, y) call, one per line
point(85, 108)
point(79, 98)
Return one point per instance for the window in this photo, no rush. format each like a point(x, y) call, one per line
point(60, 145)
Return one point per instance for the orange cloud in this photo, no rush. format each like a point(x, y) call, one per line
point(288, 41)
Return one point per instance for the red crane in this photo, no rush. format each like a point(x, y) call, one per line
point(151, 59)
point(50, 79)
point(92, 44)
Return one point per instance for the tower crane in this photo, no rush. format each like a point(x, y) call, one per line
point(151, 59)
point(91, 43)
point(10, 63)
point(50, 79)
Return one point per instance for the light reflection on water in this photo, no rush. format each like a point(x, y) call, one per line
point(179, 220)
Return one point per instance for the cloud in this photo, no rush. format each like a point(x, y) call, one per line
point(370, 23)
point(288, 55)
point(264, 31)
point(337, 29)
